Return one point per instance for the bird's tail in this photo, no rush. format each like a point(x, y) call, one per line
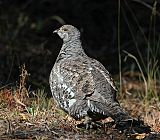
point(109, 109)
point(118, 113)
point(125, 122)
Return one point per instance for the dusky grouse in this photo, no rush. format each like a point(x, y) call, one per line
point(81, 85)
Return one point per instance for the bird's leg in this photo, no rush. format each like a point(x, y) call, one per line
point(90, 124)
point(87, 122)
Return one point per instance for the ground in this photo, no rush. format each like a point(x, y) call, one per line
point(38, 117)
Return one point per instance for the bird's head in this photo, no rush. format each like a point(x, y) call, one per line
point(68, 33)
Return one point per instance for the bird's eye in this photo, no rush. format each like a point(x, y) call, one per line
point(64, 29)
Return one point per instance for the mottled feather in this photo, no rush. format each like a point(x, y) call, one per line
point(81, 85)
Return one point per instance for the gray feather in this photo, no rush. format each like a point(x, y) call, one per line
point(81, 85)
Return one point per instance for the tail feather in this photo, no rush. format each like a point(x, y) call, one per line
point(118, 113)
point(109, 109)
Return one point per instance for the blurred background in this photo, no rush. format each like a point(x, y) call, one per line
point(109, 31)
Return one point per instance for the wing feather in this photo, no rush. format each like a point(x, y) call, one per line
point(105, 73)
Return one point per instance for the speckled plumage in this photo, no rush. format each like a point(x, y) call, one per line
point(81, 85)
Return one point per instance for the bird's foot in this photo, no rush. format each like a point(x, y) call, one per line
point(109, 124)
point(90, 125)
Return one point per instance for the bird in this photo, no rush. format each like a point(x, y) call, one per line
point(81, 85)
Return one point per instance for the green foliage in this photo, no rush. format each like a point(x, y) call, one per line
point(39, 103)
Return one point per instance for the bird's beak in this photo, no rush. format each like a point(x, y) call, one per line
point(55, 31)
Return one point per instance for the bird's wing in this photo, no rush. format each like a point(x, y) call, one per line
point(97, 65)
point(77, 78)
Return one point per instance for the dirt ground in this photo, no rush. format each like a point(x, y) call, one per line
point(39, 118)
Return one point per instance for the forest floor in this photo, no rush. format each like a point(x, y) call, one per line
point(38, 117)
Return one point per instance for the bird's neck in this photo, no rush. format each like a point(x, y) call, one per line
point(73, 48)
